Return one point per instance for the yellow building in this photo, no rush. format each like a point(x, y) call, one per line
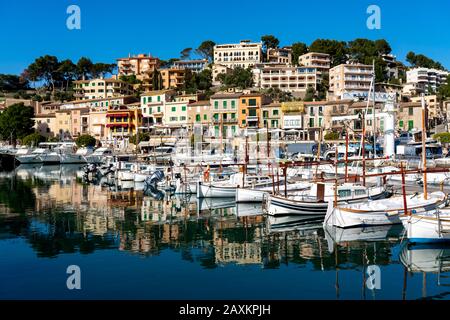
point(122, 121)
point(45, 124)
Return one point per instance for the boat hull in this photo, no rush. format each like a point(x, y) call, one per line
point(426, 229)
point(211, 191)
point(282, 206)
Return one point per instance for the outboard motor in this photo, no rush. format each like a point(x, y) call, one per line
point(156, 177)
point(154, 193)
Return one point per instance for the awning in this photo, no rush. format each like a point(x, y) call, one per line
point(109, 125)
point(117, 114)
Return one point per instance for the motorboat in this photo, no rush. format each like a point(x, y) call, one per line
point(99, 155)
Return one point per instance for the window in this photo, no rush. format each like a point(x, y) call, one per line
point(149, 99)
point(410, 125)
point(233, 116)
point(252, 102)
point(400, 123)
point(174, 109)
point(233, 103)
point(204, 117)
point(244, 111)
point(145, 100)
point(344, 193)
point(243, 101)
point(252, 112)
point(159, 98)
point(198, 118)
point(410, 111)
point(360, 192)
point(159, 109)
point(243, 122)
point(311, 122)
point(275, 112)
point(183, 108)
point(265, 114)
point(150, 110)
point(224, 104)
point(183, 118)
point(216, 104)
point(320, 122)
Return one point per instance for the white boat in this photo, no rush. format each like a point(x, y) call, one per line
point(227, 189)
point(437, 178)
point(249, 195)
point(381, 212)
point(142, 172)
point(312, 203)
point(33, 157)
point(126, 171)
point(442, 162)
point(99, 155)
point(74, 158)
point(428, 227)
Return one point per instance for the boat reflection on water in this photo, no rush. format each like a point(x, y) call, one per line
point(277, 224)
point(426, 258)
point(248, 209)
point(340, 236)
point(213, 204)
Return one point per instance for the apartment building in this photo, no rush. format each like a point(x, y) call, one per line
point(350, 78)
point(199, 112)
point(424, 80)
point(249, 111)
point(45, 124)
point(176, 114)
point(244, 54)
point(141, 65)
point(409, 116)
point(101, 89)
point(271, 115)
point(224, 114)
point(96, 103)
point(286, 78)
point(218, 69)
point(97, 123)
point(153, 105)
point(435, 108)
point(279, 55)
point(71, 123)
point(122, 121)
point(320, 61)
point(172, 78)
point(195, 66)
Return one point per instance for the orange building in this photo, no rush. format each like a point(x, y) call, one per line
point(250, 110)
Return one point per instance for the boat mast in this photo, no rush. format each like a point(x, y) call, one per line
point(424, 150)
point(373, 112)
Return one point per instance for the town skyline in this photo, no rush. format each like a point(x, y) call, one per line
point(398, 28)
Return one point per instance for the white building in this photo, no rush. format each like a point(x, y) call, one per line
point(320, 61)
point(350, 78)
point(244, 54)
point(286, 78)
point(424, 80)
point(101, 88)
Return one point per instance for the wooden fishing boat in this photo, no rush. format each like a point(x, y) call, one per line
point(315, 201)
point(381, 212)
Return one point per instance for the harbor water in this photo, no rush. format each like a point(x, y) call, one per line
point(133, 244)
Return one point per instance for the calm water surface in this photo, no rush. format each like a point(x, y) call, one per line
point(129, 245)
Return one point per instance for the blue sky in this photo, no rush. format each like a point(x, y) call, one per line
point(112, 29)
